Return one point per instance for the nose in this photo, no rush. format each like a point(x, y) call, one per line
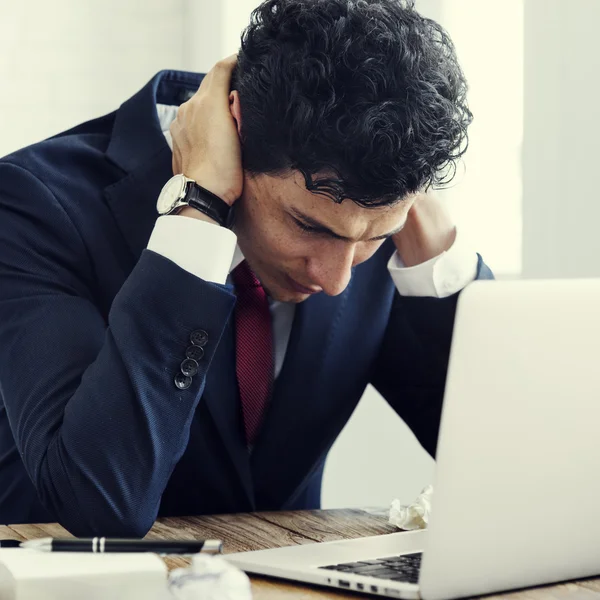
point(331, 270)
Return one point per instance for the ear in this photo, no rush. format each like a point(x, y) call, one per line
point(236, 109)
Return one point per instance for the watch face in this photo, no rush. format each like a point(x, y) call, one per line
point(172, 192)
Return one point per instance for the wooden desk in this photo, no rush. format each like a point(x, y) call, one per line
point(271, 530)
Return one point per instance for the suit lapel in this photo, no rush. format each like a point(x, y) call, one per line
point(133, 199)
point(139, 148)
point(298, 402)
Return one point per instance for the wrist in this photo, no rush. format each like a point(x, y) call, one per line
point(429, 232)
point(227, 196)
point(208, 203)
point(192, 213)
point(216, 187)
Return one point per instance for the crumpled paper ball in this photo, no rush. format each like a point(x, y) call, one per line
point(415, 515)
point(209, 578)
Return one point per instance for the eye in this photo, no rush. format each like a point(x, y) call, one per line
point(305, 228)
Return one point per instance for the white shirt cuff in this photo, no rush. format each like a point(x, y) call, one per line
point(438, 277)
point(202, 249)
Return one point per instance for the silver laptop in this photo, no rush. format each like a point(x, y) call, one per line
point(516, 498)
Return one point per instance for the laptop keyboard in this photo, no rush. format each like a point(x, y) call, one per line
point(403, 568)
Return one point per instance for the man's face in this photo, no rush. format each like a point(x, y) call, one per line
point(299, 243)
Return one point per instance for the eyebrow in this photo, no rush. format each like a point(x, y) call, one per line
point(321, 228)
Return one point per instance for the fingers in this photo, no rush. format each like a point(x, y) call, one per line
point(218, 80)
point(224, 68)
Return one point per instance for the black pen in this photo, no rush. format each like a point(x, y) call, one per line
point(101, 545)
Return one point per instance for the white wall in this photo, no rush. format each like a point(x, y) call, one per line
point(214, 33)
point(560, 154)
point(66, 61)
point(486, 196)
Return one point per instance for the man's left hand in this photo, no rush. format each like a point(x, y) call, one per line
point(428, 232)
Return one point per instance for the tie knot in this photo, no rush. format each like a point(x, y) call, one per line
point(243, 276)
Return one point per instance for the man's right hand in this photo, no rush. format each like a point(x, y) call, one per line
point(206, 145)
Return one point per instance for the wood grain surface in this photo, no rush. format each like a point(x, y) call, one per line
point(256, 531)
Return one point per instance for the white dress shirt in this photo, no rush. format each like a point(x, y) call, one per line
point(211, 252)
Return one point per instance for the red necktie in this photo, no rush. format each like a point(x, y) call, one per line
point(254, 348)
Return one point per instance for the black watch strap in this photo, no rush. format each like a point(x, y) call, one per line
point(208, 203)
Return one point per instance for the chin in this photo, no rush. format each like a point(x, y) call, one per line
point(298, 298)
point(278, 291)
point(289, 296)
point(283, 294)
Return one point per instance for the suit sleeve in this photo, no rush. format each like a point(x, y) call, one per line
point(92, 403)
point(410, 370)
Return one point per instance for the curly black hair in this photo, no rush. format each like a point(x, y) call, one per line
point(364, 97)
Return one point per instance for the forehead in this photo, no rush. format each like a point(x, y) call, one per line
point(345, 216)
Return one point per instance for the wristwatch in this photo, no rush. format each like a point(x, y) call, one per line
point(182, 191)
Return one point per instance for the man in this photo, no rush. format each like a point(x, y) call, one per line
point(138, 376)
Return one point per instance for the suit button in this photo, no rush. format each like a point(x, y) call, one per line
point(189, 367)
point(199, 338)
point(195, 353)
point(182, 381)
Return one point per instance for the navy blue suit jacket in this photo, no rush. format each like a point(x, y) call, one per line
point(93, 327)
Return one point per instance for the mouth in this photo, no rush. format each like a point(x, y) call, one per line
point(293, 284)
